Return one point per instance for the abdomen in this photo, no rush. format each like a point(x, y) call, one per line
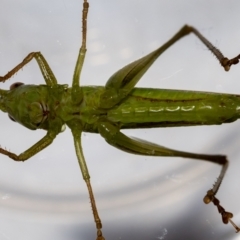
point(146, 107)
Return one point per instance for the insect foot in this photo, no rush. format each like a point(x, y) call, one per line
point(99, 235)
point(226, 63)
point(226, 216)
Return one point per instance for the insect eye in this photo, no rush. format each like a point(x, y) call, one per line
point(11, 118)
point(16, 85)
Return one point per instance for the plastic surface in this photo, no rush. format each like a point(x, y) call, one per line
point(137, 197)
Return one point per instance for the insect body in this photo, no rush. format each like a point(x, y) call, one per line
point(117, 105)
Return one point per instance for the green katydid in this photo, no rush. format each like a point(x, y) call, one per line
point(117, 105)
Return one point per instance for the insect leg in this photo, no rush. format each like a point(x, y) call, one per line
point(76, 90)
point(224, 61)
point(76, 128)
point(42, 63)
point(37, 147)
point(83, 166)
point(119, 140)
point(123, 81)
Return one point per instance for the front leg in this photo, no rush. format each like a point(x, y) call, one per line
point(43, 65)
point(36, 148)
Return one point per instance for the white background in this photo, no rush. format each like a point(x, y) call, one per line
point(137, 197)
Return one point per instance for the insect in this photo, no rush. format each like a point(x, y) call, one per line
point(118, 105)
